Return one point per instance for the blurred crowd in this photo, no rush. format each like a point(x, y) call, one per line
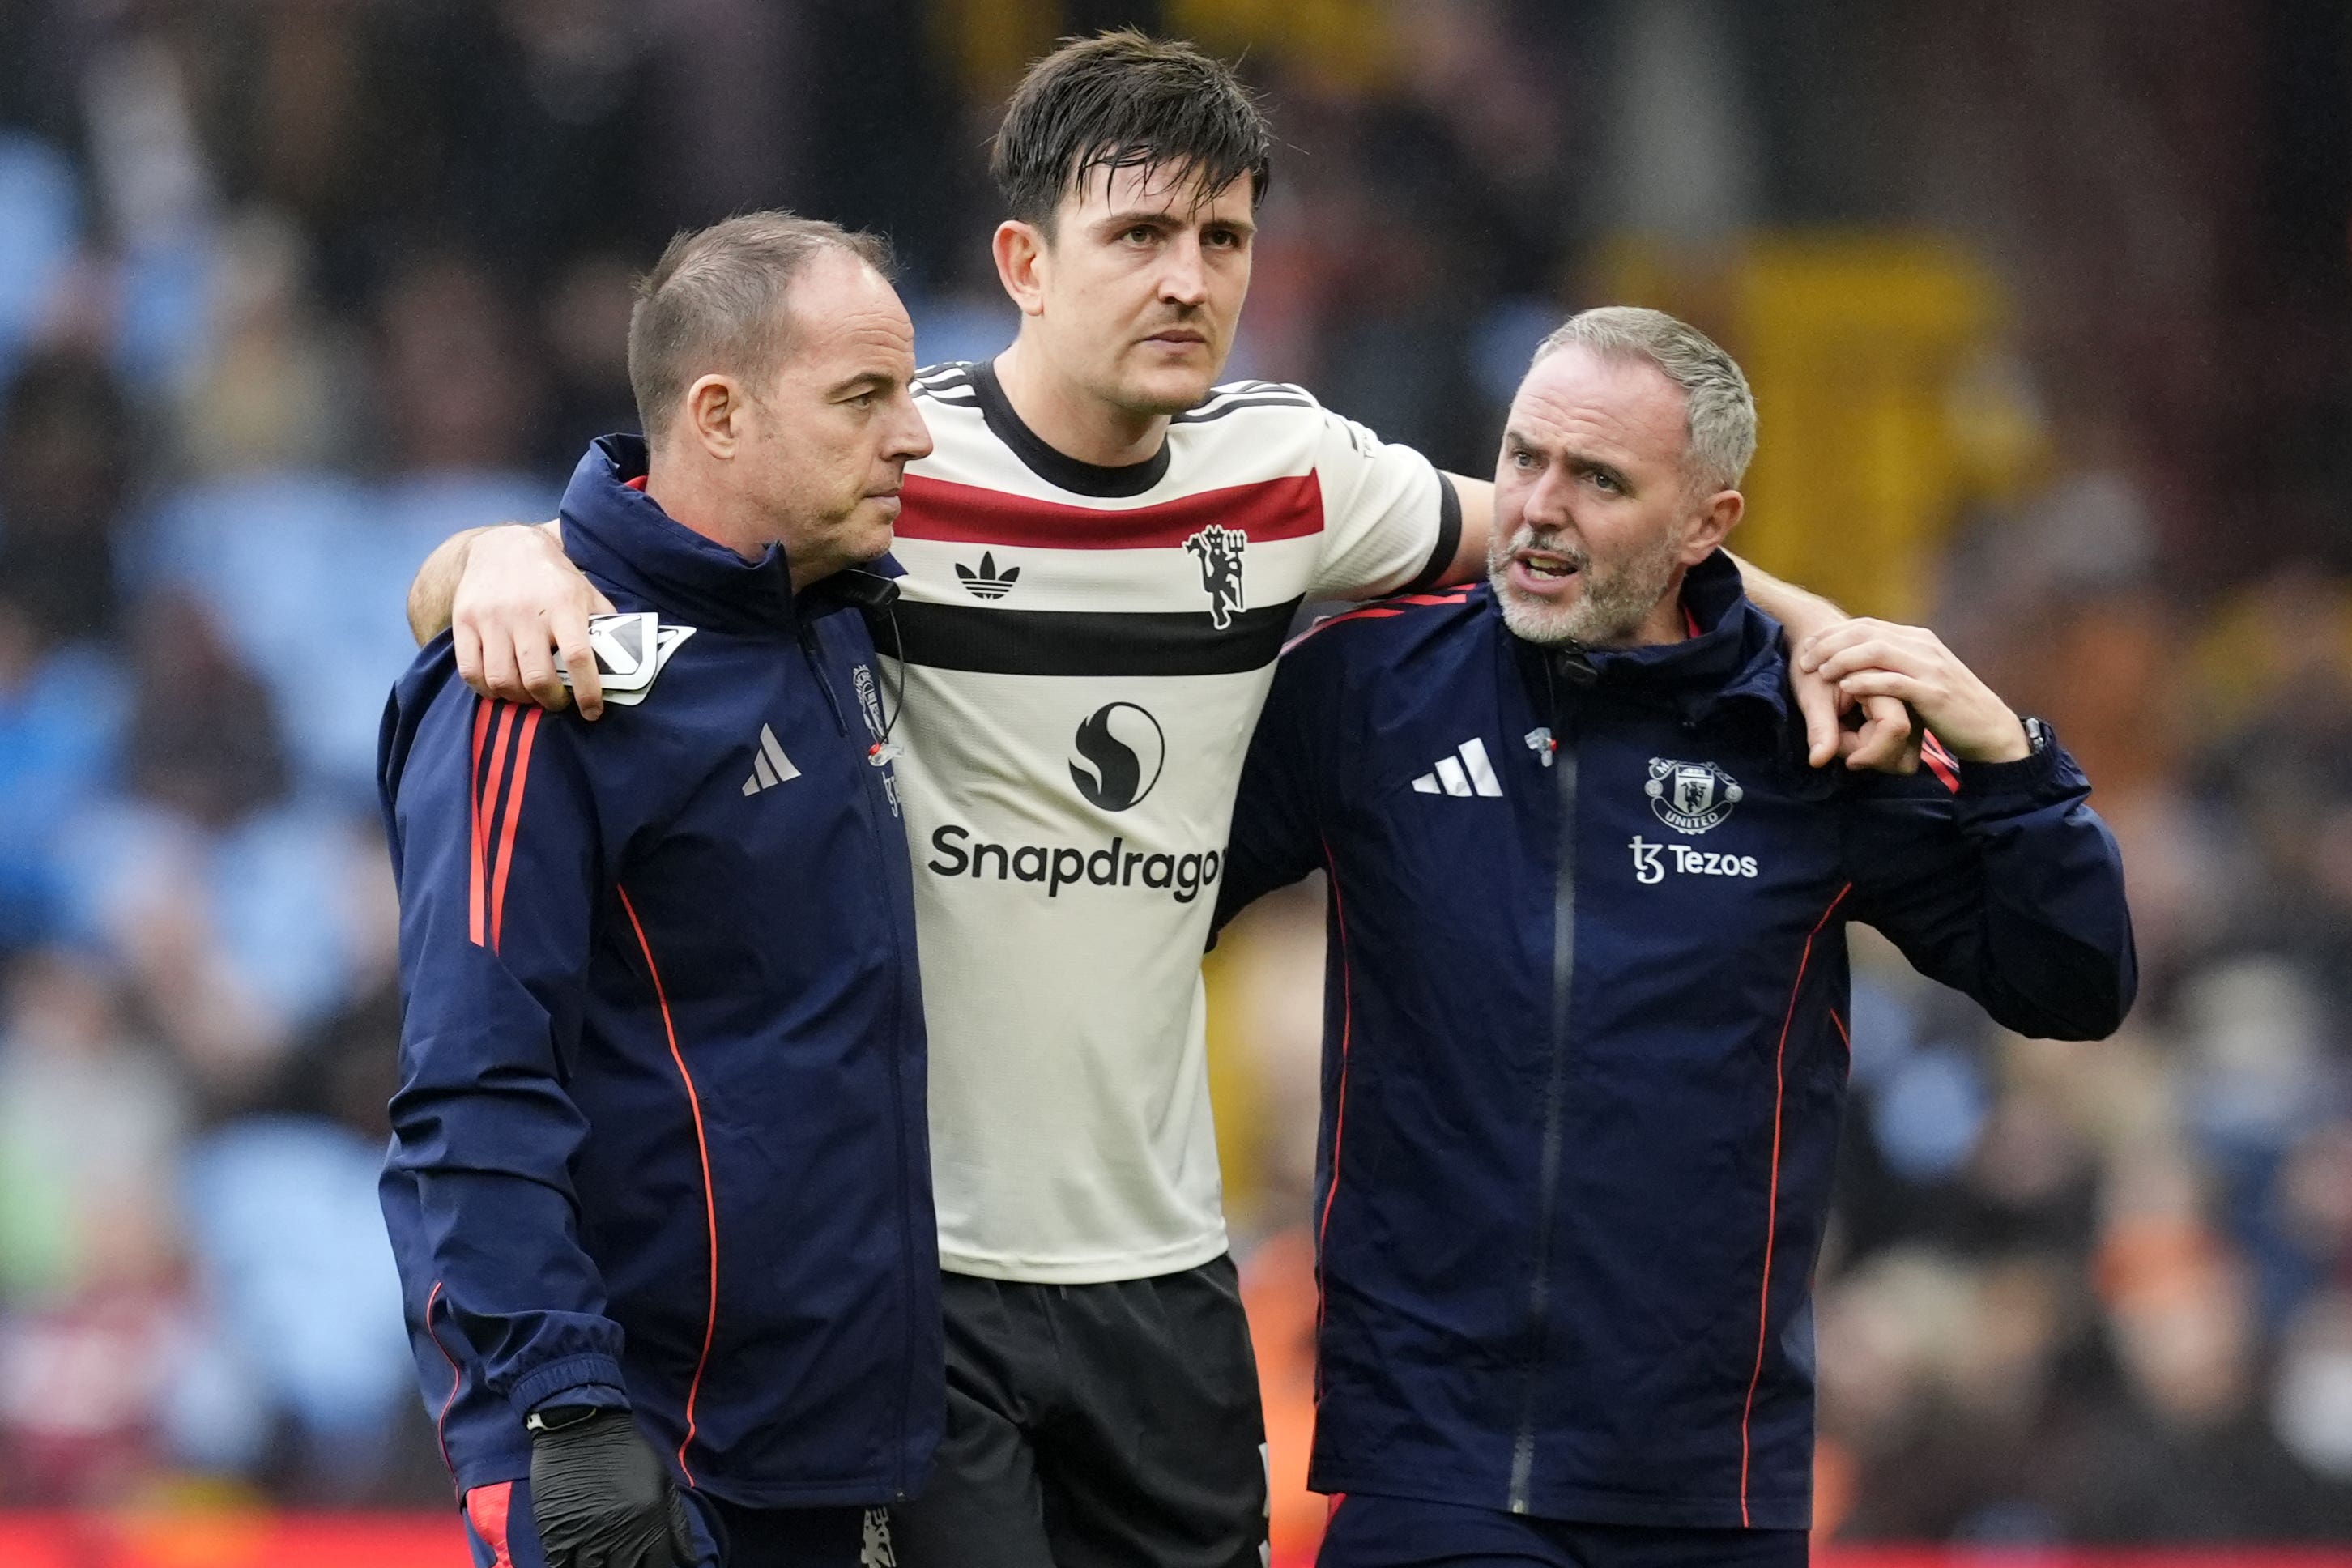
point(290, 289)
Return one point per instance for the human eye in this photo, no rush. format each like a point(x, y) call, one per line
point(1603, 481)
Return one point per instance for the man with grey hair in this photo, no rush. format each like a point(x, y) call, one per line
point(1586, 1004)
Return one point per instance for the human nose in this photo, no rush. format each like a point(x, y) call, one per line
point(1185, 279)
point(910, 437)
point(1546, 500)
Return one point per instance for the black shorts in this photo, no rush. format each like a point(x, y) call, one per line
point(1096, 1427)
point(1402, 1532)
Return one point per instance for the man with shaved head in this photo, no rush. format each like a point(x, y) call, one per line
point(658, 1184)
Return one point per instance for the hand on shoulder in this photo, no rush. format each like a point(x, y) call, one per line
point(522, 608)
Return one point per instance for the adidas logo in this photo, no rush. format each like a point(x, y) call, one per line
point(770, 766)
point(1467, 772)
point(986, 583)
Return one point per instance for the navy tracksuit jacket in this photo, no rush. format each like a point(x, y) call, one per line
point(1585, 1036)
point(659, 1138)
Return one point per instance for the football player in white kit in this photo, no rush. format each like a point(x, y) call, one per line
point(1103, 554)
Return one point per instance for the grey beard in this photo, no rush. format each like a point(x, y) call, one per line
point(1608, 612)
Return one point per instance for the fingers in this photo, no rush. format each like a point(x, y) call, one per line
point(1873, 653)
point(1888, 741)
point(499, 677)
point(571, 647)
point(1818, 648)
point(683, 1549)
point(1818, 701)
point(536, 667)
point(1901, 686)
point(469, 653)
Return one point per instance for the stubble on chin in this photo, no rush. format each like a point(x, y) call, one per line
point(1607, 613)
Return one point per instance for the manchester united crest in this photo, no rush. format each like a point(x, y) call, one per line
point(1690, 797)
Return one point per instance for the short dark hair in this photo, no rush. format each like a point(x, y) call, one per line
point(716, 301)
point(1118, 100)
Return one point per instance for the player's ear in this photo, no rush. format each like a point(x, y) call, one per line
point(713, 412)
point(1717, 516)
point(1020, 262)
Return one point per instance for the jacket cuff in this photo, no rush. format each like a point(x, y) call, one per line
point(578, 1372)
point(2048, 771)
point(587, 1395)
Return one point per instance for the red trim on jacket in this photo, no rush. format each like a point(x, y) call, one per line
point(1772, 1199)
point(456, 1379)
point(1941, 762)
point(488, 1511)
point(1340, 1114)
point(514, 816)
point(475, 907)
point(709, 1201)
point(1382, 609)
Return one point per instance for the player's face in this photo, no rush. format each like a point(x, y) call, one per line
point(1142, 285)
point(1594, 520)
point(833, 430)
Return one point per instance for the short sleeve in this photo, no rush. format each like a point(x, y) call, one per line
point(1392, 522)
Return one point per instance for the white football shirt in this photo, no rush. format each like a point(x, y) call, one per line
point(1085, 653)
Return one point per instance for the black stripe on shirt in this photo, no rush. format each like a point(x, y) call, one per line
point(1218, 411)
point(1449, 536)
point(1091, 642)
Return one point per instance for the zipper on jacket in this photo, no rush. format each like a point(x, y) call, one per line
point(1563, 974)
point(816, 657)
point(877, 800)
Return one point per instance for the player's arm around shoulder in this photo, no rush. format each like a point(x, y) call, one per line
point(517, 610)
point(1392, 521)
point(1988, 868)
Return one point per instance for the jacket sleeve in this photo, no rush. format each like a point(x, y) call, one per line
point(1278, 815)
point(2007, 888)
point(495, 850)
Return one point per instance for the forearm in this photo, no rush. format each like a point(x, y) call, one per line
point(1792, 607)
point(431, 596)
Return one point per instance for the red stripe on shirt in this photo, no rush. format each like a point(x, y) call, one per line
point(1772, 1199)
point(514, 815)
point(702, 1148)
point(1286, 508)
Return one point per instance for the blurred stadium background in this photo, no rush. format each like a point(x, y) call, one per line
point(2048, 304)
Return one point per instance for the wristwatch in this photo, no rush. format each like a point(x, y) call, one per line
point(556, 1418)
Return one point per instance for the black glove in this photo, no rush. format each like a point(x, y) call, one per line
point(601, 1497)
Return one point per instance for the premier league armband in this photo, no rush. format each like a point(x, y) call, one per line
point(630, 650)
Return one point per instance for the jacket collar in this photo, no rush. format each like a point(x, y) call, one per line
point(1733, 657)
point(614, 532)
